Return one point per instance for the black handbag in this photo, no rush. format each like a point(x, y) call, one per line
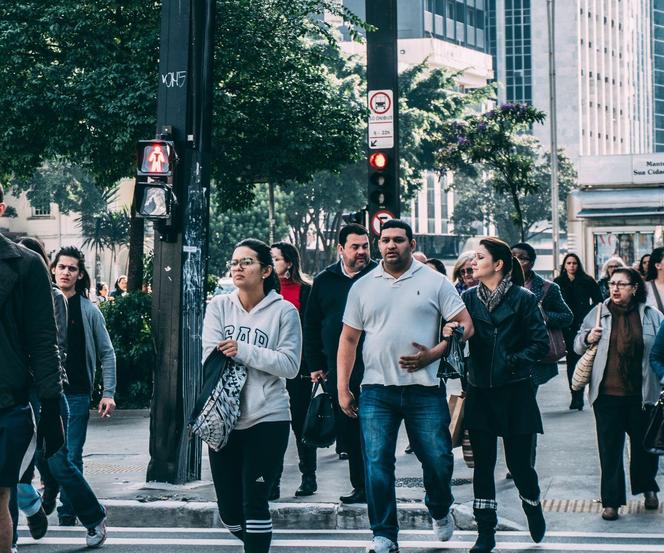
point(653, 441)
point(319, 428)
point(452, 363)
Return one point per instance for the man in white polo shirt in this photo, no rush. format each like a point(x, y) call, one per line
point(399, 306)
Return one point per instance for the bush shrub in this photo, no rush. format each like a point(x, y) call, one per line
point(128, 320)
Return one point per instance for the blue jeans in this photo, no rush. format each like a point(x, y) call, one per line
point(77, 431)
point(426, 416)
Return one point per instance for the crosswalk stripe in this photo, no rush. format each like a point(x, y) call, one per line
point(415, 544)
point(506, 533)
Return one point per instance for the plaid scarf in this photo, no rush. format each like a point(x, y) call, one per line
point(490, 299)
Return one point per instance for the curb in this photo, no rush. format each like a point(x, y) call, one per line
point(315, 516)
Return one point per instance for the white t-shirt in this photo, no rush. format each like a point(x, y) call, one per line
point(651, 300)
point(394, 313)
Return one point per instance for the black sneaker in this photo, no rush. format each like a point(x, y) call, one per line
point(49, 497)
point(38, 524)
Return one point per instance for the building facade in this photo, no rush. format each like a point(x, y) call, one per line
point(658, 72)
point(604, 70)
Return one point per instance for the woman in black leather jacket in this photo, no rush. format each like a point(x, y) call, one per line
point(510, 338)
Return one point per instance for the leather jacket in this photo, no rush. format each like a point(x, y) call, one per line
point(509, 342)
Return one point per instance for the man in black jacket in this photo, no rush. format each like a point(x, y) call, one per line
point(29, 354)
point(322, 328)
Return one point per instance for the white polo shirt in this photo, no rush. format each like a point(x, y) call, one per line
point(394, 313)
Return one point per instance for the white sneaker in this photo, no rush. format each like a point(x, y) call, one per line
point(381, 544)
point(97, 535)
point(443, 527)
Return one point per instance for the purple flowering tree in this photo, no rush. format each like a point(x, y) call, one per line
point(497, 145)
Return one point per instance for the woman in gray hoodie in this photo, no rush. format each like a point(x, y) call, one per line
point(256, 327)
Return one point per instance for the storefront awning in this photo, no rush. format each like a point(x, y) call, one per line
point(620, 212)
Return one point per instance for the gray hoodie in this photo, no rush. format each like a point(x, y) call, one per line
point(269, 344)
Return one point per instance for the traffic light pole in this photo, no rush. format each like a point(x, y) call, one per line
point(383, 102)
point(180, 255)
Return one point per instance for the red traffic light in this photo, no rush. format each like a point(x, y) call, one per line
point(378, 160)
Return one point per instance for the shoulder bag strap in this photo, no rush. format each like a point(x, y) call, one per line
point(658, 298)
point(545, 289)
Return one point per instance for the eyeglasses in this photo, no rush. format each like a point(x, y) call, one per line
point(620, 285)
point(244, 263)
point(612, 266)
point(468, 271)
point(522, 258)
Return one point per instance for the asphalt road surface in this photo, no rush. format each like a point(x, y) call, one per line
point(193, 540)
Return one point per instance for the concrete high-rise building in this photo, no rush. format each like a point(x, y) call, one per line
point(658, 72)
point(604, 70)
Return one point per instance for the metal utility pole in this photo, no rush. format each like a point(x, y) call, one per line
point(383, 102)
point(180, 256)
point(555, 230)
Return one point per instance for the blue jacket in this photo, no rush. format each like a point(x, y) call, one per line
point(657, 354)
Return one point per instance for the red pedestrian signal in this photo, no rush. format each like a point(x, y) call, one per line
point(378, 160)
point(155, 159)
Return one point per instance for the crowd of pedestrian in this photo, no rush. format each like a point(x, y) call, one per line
point(371, 335)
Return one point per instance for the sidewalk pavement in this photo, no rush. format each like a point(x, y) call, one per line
point(116, 457)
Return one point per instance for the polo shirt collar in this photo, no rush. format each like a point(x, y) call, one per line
point(380, 271)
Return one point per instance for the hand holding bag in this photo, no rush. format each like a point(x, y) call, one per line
point(319, 428)
point(653, 441)
point(584, 367)
point(217, 408)
point(452, 363)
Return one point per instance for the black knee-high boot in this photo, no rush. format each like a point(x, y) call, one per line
point(486, 530)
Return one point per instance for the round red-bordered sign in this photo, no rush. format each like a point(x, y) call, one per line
point(380, 103)
point(381, 216)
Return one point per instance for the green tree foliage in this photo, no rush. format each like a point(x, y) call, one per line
point(78, 81)
point(229, 227)
point(480, 203)
point(494, 142)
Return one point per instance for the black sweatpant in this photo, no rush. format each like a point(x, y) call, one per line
point(243, 473)
point(616, 416)
point(517, 455)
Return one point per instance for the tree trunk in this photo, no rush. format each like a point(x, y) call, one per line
point(519, 213)
point(135, 271)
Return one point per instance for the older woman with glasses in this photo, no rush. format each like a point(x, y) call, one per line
point(623, 387)
point(609, 266)
point(462, 274)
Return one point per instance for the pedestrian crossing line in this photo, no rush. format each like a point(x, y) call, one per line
point(421, 532)
point(407, 544)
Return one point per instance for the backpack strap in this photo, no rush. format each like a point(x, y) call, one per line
point(658, 298)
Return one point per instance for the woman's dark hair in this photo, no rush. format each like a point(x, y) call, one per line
point(655, 257)
point(264, 257)
point(532, 254)
point(36, 246)
point(117, 284)
point(580, 272)
point(82, 286)
point(500, 251)
point(100, 287)
point(438, 264)
point(292, 256)
point(643, 258)
point(635, 278)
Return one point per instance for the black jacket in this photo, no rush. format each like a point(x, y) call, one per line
point(508, 342)
point(28, 342)
point(580, 295)
point(323, 320)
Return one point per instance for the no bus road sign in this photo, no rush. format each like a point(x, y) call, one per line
point(381, 119)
